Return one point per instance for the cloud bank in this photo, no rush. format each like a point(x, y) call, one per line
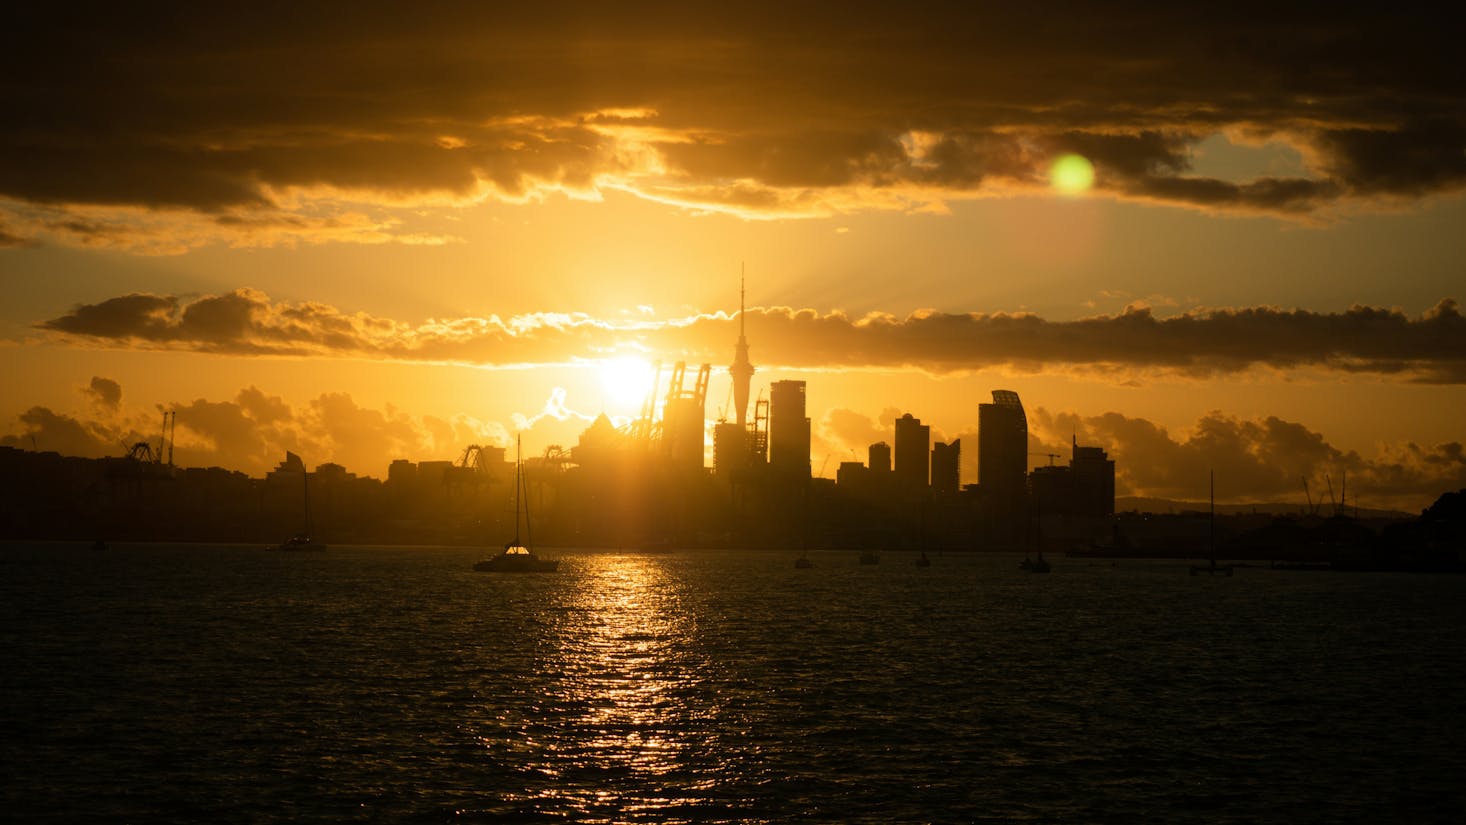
point(1430, 347)
point(171, 125)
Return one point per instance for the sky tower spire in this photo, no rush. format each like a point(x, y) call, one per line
point(742, 369)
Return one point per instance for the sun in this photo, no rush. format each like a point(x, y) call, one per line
point(625, 381)
point(1072, 174)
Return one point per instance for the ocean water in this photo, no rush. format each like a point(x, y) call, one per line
point(195, 683)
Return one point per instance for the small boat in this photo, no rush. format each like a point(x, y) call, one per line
point(1212, 568)
point(923, 561)
point(869, 557)
point(803, 562)
point(1035, 565)
point(302, 541)
point(99, 545)
point(517, 557)
point(298, 544)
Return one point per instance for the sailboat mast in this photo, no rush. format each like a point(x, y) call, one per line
point(305, 494)
point(528, 527)
point(518, 484)
point(1211, 527)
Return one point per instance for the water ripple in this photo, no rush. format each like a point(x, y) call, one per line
point(179, 684)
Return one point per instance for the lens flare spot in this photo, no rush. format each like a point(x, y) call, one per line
point(1072, 174)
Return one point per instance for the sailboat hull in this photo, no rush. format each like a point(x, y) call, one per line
point(509, 563)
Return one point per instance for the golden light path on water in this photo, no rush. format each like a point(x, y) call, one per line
point(622, 681)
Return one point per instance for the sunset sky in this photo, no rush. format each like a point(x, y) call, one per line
point(1204, 238)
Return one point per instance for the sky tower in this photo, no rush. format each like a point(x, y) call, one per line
point(742, 368)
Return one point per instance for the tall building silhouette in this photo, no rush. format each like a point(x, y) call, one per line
point(788, 429)
point(946, 474)
point(730, 448)
point(1085, 488)
point(742, 369)
point(1094, 480)
point(880, 457)
point(1002, 449)
point(913, 441)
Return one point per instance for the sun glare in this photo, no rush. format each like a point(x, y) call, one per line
point(625, 381)
point(1072, 174)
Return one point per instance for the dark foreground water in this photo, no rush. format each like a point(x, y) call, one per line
point(226, 684)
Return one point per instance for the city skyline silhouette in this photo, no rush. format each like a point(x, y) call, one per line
point(732, 413)
point(1253, 270)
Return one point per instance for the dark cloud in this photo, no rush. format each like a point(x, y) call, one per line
point(253, 115)
point(9, 239)
point(105, 393)
point(1431, 347)
point(129, 316)
point(47, 430)
point(252, 432)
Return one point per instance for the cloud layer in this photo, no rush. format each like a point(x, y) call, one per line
point(171, 125)
point(1430, 347)
point(252, 431)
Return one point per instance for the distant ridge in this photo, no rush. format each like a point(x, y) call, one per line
point(1143, 504)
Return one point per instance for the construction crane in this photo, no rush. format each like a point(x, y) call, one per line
point(1312, 508)
point(684, 416)
point(556, 457)
point(143, 450)
point(1051, 456)
point(642, 430)
point(170, 428)
point(472, 468)
point(473, 460)
point(759, 442)
point(723, 410)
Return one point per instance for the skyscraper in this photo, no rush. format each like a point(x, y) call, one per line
point(913, 443)
point(946, 474)
point(1002, 449)
point(788, 429)
point(742, 369)
point(1094, 480)
point(880, 457)
point(730, 449)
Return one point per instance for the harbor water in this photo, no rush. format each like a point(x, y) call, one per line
point(191, 683)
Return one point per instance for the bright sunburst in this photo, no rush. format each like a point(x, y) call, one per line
point(625, 380)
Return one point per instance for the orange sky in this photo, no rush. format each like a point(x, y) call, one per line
point(364, 234)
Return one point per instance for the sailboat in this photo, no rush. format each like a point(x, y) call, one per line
point(1033, 565)
point(517, 557)
point(1212, 568)
point(302, 541)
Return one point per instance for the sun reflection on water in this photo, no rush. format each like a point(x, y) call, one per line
point(621, 673)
